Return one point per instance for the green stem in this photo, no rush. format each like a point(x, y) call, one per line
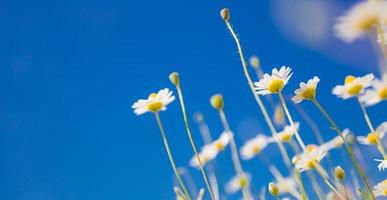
point(192, 141)
point(347, 146)
point(177, 174)
point(301, 184)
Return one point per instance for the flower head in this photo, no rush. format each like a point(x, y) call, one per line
point(273, 189)
point(310, 159)
point(353, 86)
point(307, 91)
point(237, 182)
point(336, 142)
point(279, 115)
point(287, 133)
point(254, 146)
point(154, 103)
point(360, 19)
point(275, 82)
point(222, 141)
point(207, 153)
point(382, 165)
point(381, 189)
point(372, 138)
point(377, 92)
point(339, 173)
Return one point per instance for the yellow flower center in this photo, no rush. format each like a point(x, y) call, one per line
point(383, 93)
point(312, 163)
point(366, 23)
point(372, 138)
point(256, 149)
point(311, 148)
point(276, 86)
point(385, 192)
point(219, 146)
point(286, 137)
point(309, 93)
point(243, 182)
point(155, 106)
point(355, 90)
point(349, 79)
point(295, 159)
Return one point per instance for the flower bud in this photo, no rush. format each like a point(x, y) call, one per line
point(217, 101)
point(174, 78)
point(339, 173)
point(254, 62)
point(273, 189)
point(225, 14)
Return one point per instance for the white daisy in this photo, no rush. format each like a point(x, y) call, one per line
point(353, 86)
point(377, 93)
point(223, 140)
point(154, 103)
point(207, 153)
point(360, 19)
point(279, 116)
point(285, 184)
point(254, 146)
point(336, 142)
point(237, 183)
point(287, 133)
point(310, 160)
point(275, 82)
point(371, 138)
point(381, 189)
point(382, 165)
point(306, 90)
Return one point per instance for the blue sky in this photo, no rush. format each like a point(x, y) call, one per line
point(70, 70)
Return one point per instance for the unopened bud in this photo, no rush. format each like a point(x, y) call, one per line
point(217, 101)
point(254, 62)
point(339, 173)
point(174, 77)
point(225, 14)
point(273, 189)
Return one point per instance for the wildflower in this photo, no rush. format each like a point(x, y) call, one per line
point(336, 142)
point(306, 91)
point(154, 103)
point(254, 146)
point(207, 153)
point(279, 116)
point(354, 86)
point(360, 19)
point(286, 135)
point(381, 188)
point(217, 101)
point(275, 82)
point(254, 62)
point(310, 160)
point(273, 189)
point(372, 138)
point(237, 182)
point(287, 185)
point(223, 140)
point(339, 173)
point(382, 165)
point(377, 92)
point(225, 14)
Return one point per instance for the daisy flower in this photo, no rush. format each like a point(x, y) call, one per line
point(353, 86)
point(254, 146)
point(223, 140)
point(207, 153)
point(380, 190)
point(307, 91)
point(286, 135)
point(279, 116)
point(371, 138)
point(237, 183)
point(360, 19)
point(310, 160)
point(382, 165)
point(377, 92)
point(275, 82)
point(336, 142)
point(154, 103)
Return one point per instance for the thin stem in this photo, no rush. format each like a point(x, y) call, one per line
point(347, 146)
point(372, 129)
point(274, 133)
point(234, 153)
point(345, 190)
point(301, 184)
point(187, 195)
point(298, 137)
point(333, 188)
point(192, 141)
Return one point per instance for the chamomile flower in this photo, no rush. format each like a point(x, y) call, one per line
point(371, 138)
point(237, 183)
point(310, 160)
point(279, 115)
point(223, 140)
point(275, 82)
point(307, 91)
point(377, 92)
point(353, 86)
point(380, 190)
point(254, 146)
point(336, 142)
point(287, 133)
point(154, 103)
point(382, 165)
point(207, 153)
point(360, 19)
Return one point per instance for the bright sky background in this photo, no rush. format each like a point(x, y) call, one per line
point(70, 71)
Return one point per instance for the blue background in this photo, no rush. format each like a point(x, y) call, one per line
point(70, 71)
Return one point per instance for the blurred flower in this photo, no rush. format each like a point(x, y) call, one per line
point(336, 142)
point(382, 165)
point(273, 189)
point(381, 188)
point(339, 173)
point(310, 160)
point(237, 182)
point(254, 62)
point(275, 82)
point(353, 86)
point(372, 138)
point(287, 185)
point(306, 91)
point(154, 103)
point(377, 92)
point(360, 19)
point(279, 116)
point(287, 133)
point(254, 146)
point(207, 153)
point(223, 140)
